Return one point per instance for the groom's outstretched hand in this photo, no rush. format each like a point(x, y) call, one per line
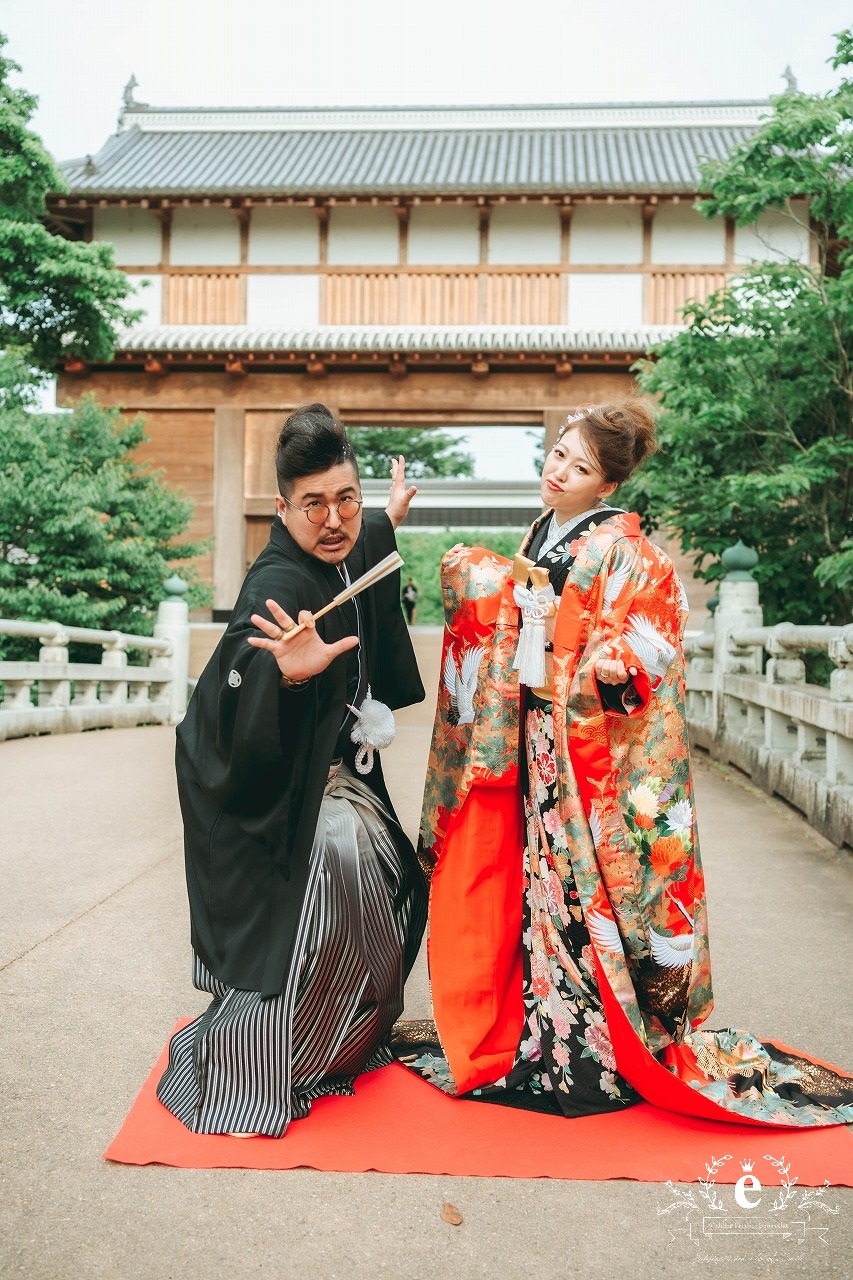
point(399, 497)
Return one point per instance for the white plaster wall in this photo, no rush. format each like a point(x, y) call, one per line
point(775, 236)
point(606, 233)
point(444, 233)
point(524, 233)
point(363, 236)
point(205, 237)
point(282, 302)
point(134, 234)
point(605, 301)
point(681, 235)
point(284, 237)
point(148, 297)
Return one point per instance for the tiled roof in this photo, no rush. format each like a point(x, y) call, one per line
point(424, 338)
point(256, 153)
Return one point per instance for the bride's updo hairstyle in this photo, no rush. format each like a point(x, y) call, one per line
point(620, 435)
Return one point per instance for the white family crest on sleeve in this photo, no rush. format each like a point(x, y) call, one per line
point(654, 650)
point(461, 683)
point(235, 679)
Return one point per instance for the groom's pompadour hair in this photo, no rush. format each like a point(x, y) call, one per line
point(311, 440)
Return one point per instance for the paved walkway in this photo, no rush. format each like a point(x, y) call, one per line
point(95, 971)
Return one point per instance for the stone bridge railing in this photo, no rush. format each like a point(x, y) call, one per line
point(54, 695)
point(792, 738)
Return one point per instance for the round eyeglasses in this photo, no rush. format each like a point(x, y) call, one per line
point(318, 512)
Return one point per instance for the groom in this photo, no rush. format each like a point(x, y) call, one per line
point(306, 898)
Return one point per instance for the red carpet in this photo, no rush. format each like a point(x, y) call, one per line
point(396, 1123)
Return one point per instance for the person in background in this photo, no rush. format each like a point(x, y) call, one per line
point(307, 902)
point(410, 600)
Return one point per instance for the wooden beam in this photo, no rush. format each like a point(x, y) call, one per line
point(426, 269)
point(512, 394)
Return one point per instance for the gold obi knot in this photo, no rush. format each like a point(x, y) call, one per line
point(525, 570)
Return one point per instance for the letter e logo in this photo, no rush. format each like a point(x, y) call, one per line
point(748, 1182)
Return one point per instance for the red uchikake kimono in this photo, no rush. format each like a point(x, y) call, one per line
point(575, 977)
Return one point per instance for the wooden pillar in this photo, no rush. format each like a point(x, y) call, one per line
point(566, 210)
point(402, 212)
point(244, 218)
point(322, 213)
point(484, 213)
point(165, 215)
point(401, 308)
point(229, 525)
point(650, 301)
point(553, 419)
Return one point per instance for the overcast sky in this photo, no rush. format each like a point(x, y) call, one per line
point(77, 57)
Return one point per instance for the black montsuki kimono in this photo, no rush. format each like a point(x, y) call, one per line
point(253, 758)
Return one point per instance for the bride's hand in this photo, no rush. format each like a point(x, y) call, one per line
point(613, 671)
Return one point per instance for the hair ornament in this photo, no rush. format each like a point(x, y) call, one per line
point(577, 417)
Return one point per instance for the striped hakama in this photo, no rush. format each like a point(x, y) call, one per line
point(251, 1064)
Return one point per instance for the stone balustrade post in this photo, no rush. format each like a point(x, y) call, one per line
point(113, 660)
point(841, 680)
point(739, 608)
point(783, 665)
point(54, 653)
point(839, 750)
point(173, 625)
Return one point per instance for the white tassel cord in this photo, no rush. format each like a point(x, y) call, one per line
point(535, 607)
point(374, 729)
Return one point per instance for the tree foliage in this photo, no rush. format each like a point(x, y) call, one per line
point(428, 453)
point(88, 532)
point(757, 393)
point(58, 297)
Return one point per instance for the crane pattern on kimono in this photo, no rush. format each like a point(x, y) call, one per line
point(674, 952)
point(654, 650)
point(460, 681)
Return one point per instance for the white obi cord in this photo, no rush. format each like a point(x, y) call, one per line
point(374, 729)
point(537, 608)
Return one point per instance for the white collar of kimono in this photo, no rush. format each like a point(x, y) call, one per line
point(556, 532)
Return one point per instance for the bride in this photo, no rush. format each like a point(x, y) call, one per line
point(568, 945)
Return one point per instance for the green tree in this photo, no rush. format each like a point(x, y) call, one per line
point(757, 393)
point(58, 297)
point(88, 533)
point(428, 453)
